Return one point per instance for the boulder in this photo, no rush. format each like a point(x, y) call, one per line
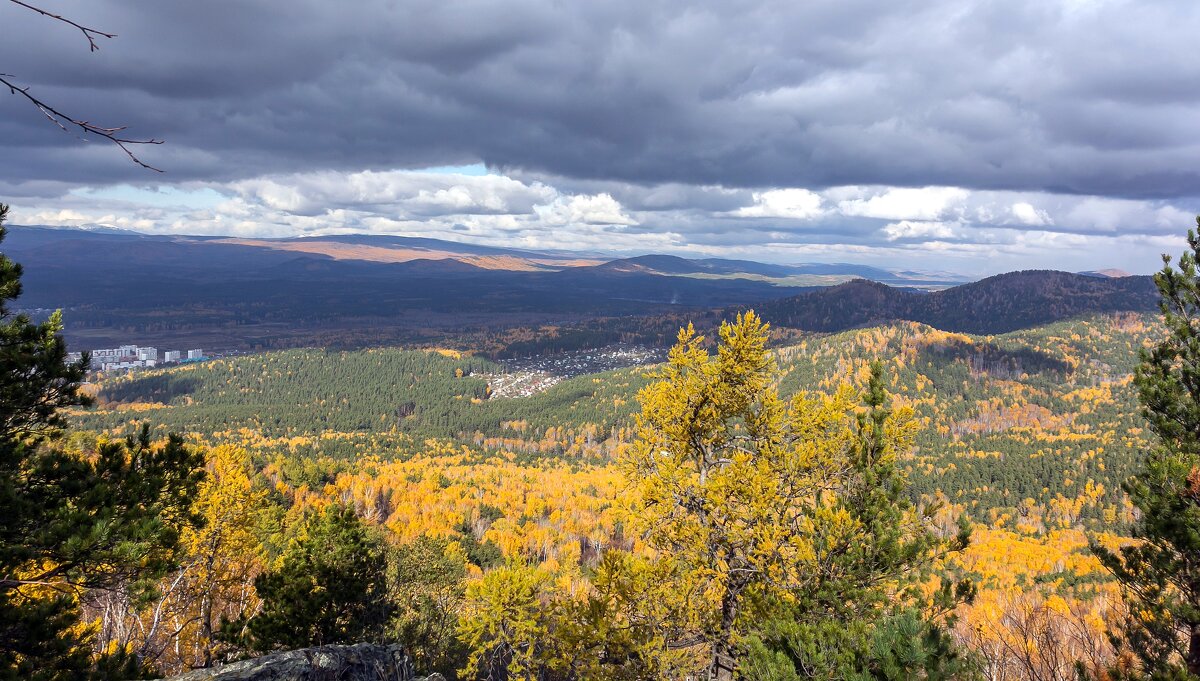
point(360, 662)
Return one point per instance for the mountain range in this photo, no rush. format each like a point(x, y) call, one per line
point(242, 293)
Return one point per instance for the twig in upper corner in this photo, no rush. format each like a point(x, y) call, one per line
point(90, 33)
point(62, 121)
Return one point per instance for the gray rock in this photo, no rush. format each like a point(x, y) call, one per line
point(360, 662)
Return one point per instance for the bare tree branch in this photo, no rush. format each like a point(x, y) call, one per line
point(90, 33)
point(62, 120)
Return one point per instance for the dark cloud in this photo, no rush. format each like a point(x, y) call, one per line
point(1075, 96)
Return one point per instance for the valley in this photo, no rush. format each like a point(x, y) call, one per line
point(611, 341)
point(1039, 424)
point(491, 400)
point(1029, 434)
point(355, 291)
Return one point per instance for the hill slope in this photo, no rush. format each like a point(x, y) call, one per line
point(1044, 413)
point(998, 304)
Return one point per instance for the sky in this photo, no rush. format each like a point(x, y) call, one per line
point(973, 136)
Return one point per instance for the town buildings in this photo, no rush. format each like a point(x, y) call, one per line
point(133, 357)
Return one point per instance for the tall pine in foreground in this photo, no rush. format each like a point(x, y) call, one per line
point(330, 587)
point(1161, 571)
point(863, 615)
point(785, 523)
point(72, 523)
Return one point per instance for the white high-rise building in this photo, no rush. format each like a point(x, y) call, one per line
point(171, 356)
point(144, 354)
point(195, 354)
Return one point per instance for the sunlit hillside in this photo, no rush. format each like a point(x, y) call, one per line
point(1039, 425)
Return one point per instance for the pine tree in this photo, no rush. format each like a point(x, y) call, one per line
point(507, 625)
point(787, 522)
point(427, 579)
point(330, 587)
point(1161, 571)
point(71, 523)
point(860, 618)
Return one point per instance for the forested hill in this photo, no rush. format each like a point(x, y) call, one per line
point(999, 304)
point(1034, 414)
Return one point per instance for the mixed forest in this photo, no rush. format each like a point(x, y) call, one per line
point(889, 502)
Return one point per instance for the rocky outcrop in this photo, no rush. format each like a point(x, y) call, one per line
point(361, 662)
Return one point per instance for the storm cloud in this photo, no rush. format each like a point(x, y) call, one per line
point(952, 125)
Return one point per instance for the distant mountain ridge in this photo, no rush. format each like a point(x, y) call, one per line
point(672, 264)
point(125, 287)
point(255, 293)
point(998, 304)
point(675, 265)
point(214, 251)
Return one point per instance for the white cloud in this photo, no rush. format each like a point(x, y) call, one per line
point(798, 204)
point(939, 227)
point(1099, 214)
point(905, 203)
point(912, 229)
point(1173, 220)
point(400, 191)
point(65, 218)
point(1026, 214)
point(598, 209)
